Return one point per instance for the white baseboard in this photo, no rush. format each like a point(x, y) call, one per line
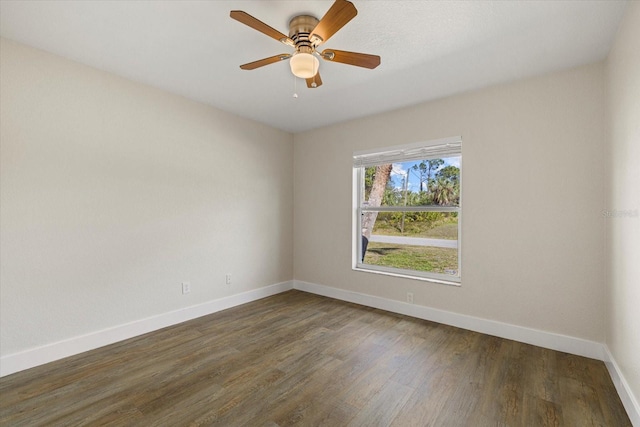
point(629, 401)
point(536, 337)
point(48, 353)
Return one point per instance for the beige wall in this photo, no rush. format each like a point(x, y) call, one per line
point(533, 233)
point(113, 193)
point(622, 194)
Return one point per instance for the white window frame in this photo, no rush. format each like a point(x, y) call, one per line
point(419, 151)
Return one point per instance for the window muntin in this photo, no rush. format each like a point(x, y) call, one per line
point(412, 227)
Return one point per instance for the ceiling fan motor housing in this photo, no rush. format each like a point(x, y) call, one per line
point(300, 28)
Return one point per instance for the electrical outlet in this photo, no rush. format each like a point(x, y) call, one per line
point(228, 278)
point(186, 288)
point(410, 297)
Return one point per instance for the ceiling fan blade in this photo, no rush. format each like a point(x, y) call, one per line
point(352, 58)
point(256, 24)
point(266, 61)
point(341, 12)
point(314, 81)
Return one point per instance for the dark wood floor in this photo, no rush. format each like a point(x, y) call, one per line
point(302, 359)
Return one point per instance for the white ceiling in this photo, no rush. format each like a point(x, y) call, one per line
point(429, 49)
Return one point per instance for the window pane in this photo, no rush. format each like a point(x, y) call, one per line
point(429, 182)
point(418, 258)
point(433, 225)
point(422, 241)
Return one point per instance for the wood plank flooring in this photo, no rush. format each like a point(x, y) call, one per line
point(301, 359)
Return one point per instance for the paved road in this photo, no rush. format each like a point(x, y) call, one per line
point(415, 241)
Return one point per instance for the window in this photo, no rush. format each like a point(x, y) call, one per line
point(408, 210)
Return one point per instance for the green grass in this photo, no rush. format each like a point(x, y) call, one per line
point(420, 258)
point(447, 230)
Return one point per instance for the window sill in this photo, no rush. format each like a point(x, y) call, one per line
point(409, 276)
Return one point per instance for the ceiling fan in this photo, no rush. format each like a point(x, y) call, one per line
point(306, 33)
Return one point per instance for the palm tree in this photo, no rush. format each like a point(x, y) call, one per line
point(445, 192)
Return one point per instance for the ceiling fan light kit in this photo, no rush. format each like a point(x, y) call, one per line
point(306, 33)
point(304, 65)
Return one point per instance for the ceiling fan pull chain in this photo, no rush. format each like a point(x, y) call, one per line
point(295, 87)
